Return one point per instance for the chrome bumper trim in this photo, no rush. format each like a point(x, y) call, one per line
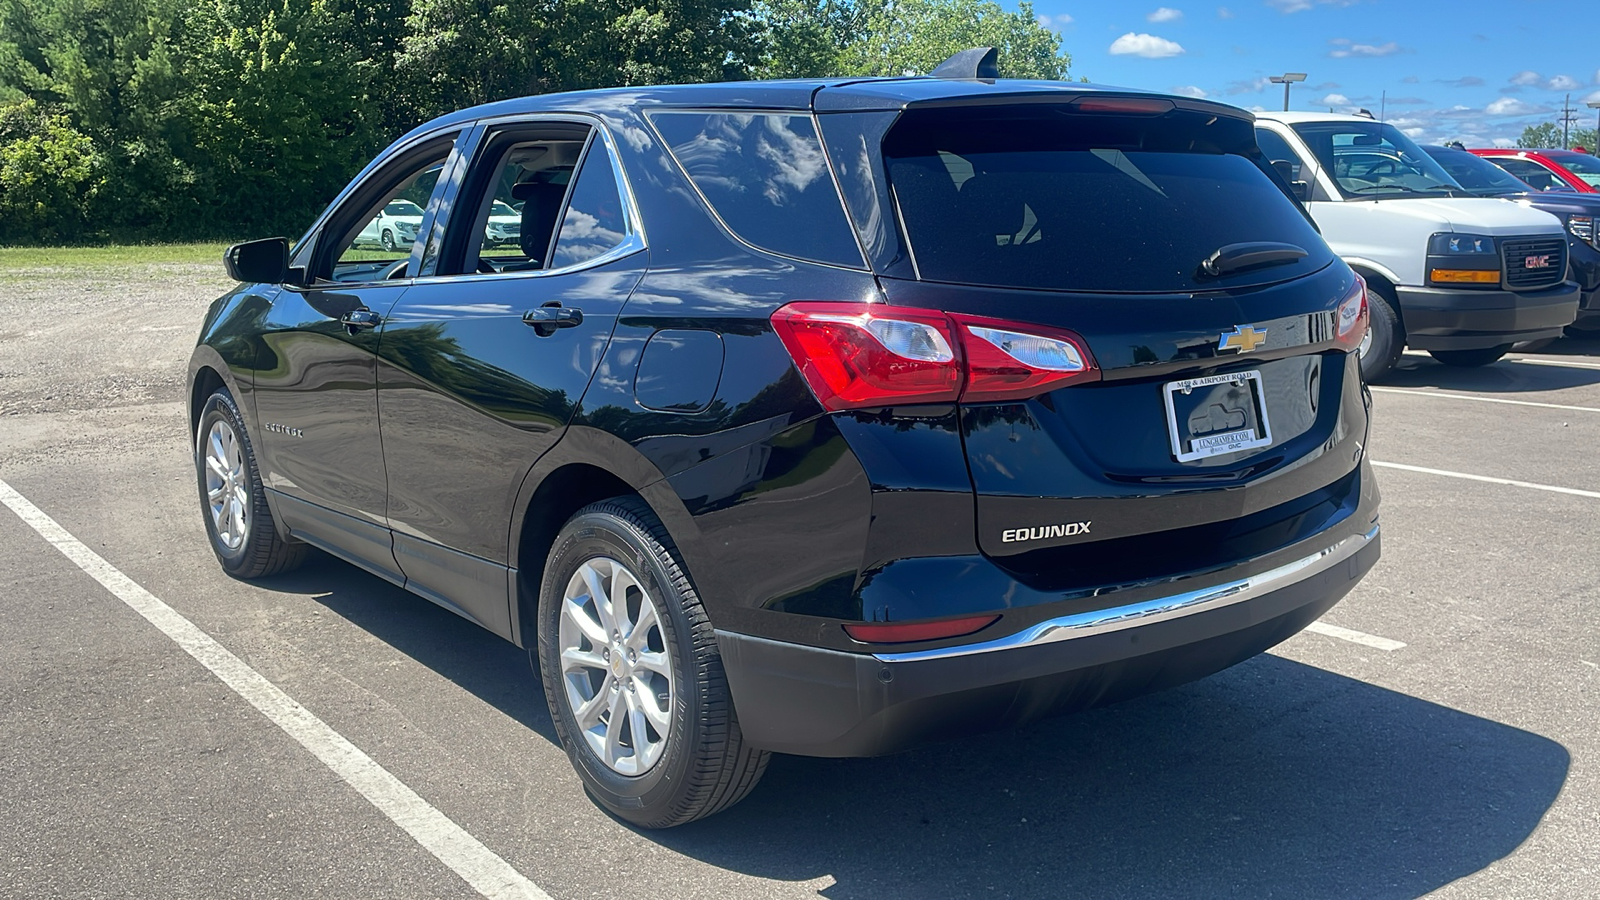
point(1100, 621)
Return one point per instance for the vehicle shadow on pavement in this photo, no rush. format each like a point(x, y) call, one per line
point(1508, 375)
point(1272, 779)
point(493, 669)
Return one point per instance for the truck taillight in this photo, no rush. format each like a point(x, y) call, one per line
point(1353, 316)
point(856, 355)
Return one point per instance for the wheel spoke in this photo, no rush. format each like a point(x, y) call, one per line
point(658, 717)
point(597, 594)
point(620, 580)
point(639, 637)
point(636, 725)
point(589, 713)
point(579, 617)
point(613, 743)
point(574, 659)
point(216, 494)
point(215, 466)
point(655, 662)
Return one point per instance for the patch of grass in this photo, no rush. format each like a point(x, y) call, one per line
point(15, 258)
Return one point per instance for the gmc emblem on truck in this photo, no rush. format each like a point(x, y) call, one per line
point(1070, 529)
point(1537, 262)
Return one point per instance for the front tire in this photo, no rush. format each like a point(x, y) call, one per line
point(632, 674)
point(387, 240)
point(1385, 337)
point(238, 520)
point(1470, 358)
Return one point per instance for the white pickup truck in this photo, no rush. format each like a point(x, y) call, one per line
point(1461, 277)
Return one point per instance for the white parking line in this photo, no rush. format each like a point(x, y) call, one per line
point(1488, 480)
point(1451, 395)
point(1561, 363)
point(479, 866)
point(1355, 637)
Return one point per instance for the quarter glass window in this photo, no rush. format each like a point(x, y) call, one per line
point(595, 220)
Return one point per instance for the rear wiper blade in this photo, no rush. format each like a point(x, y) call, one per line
point(1231, 258)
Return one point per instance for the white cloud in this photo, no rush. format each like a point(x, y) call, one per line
point(1056, 22)
point(1252, 86)
point(1526, 78)
point(1335, 100)
point(1344, 47)
point(1165, 14)
point(1410, 79)
point(1509, 106)
point(1504, 143)
point(1592, 98)
point(1146, 45)
point(1564, 83)
point(1225, 13)
point(1414, 132)
point(1189, 90)
point(1289, 6)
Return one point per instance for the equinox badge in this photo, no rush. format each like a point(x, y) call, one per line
point(1242, 338)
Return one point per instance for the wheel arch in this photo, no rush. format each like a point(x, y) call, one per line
point(207, 372)
point(586, 466)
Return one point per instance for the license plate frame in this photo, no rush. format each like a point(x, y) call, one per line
point(1243, 389)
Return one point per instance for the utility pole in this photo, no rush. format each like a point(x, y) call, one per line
point(1568, 116)
point(1287, 79)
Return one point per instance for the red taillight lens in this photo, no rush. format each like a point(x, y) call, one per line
point(856, 355)
point(893, 633)
point(1352, 317)
point(866, 354)
point(1004, 362)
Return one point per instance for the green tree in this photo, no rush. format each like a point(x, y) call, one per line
point(50, 176)
point(1547, 136)
point(897, 37)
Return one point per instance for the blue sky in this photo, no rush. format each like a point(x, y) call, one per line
point(1472, 70)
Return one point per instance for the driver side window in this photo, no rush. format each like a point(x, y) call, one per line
point(379, 239)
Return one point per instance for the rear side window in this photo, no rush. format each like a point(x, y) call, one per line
point(1041, 197)
point(767, 179)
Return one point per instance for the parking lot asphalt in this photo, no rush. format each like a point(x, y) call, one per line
point(1465, 763)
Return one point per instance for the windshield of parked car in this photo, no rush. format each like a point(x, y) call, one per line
point(1051, 198)
point(1374, 160)
point(1586, 167)
point(1477, 174)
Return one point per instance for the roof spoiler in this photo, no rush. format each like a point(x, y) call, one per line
point(978, 62)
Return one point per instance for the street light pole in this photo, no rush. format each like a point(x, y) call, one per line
point(1287, 79)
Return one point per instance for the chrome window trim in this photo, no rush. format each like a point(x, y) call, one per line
point(1160, 609)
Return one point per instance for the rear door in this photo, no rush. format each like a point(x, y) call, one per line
point(1220, 394)
point(484, 361)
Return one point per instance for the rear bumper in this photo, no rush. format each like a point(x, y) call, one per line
point(1457, 319)
point(819, 702)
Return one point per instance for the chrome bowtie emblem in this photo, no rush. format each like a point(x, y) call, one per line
point(1242, 338)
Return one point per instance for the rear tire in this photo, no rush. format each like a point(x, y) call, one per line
point(1388, 337)
point(1467, 359)
point(238, 521)
point(677, 753)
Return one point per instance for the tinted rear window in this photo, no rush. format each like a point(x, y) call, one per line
point(767, 179)
point(1039, 197)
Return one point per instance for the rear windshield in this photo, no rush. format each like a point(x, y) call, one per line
point(1040, 197)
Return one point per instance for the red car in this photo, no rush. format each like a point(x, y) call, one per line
point(1549, 170)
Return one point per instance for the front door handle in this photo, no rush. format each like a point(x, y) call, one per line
point(357, 319)
point(546, 319)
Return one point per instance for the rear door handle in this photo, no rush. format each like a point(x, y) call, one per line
point(357, 319)
point(546, 319)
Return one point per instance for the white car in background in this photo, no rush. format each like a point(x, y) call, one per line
point(505, 224)
point(1459, 276)
point(394, 227)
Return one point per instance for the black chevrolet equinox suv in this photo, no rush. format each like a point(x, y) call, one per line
point(820, 417)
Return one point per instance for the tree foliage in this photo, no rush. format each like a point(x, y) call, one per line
point(1547, 136)
point(175, 119)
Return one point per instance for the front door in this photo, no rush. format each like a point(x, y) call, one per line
point(482, 365)
point(315, 379)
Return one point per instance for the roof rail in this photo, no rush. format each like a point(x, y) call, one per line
point(978, 62)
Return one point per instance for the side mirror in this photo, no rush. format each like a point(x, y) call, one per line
point(1286, 170)
point(1302, 190)
point(258, 262)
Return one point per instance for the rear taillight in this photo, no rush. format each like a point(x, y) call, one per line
point(1353, 316)
point(856, 355)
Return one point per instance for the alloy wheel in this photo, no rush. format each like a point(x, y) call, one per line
point(615, 669)
point(227, 486)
